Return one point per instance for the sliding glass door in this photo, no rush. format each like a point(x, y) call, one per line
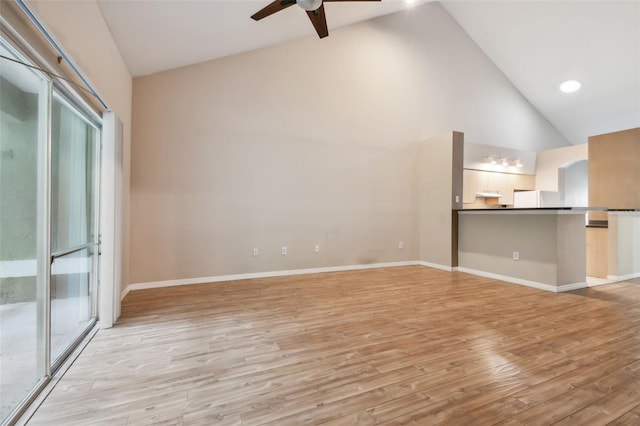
point(24, 100)
point(49, 242)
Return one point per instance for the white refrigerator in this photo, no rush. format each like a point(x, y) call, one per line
point(536, 199)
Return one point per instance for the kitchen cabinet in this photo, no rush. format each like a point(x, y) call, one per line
point(469, 186)
point(495, 181)
point(597, 252)
point(524, 182)
point(505, 184)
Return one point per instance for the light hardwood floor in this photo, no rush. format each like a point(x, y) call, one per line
point(395, 346)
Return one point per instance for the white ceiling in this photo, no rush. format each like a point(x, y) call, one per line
point(536, 44)
point(540, 44)
point(157, 35)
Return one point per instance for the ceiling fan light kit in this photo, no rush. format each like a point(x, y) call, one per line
point(314, 9)
point(309, 5)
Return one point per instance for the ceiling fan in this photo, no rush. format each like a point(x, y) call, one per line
point(314, 8)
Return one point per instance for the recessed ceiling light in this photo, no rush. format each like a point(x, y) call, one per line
point(570, 86)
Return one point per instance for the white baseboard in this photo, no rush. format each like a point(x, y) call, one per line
point(616, 278)
point(574, 286)
point(438, 266)
point(533, 284)
point(255, 275)
point(124, 292)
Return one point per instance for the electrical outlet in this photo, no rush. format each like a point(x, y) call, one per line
point(400, 245)
point(255, 252)
point(317, 248)
point(284, 251)
point(516, 255)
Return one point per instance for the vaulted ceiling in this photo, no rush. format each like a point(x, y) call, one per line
point(536, 44)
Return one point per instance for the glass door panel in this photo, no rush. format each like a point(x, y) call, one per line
point(73, 225)
point(73, 166)
point(24, 98)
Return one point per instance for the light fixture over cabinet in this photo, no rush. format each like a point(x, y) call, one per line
point(502, 161)
point(499, 159)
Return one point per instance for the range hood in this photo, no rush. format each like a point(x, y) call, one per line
point(488, 194)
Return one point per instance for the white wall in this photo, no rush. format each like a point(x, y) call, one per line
point(548, 162)
point(79, 28)
point(311, 141)
point(573, 184)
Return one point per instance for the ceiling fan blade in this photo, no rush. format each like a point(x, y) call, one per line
point(350, 0)
point(272, 8)
point(319, 21)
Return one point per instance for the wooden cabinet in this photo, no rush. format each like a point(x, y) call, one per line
point(469, 185)
point(482, 181)
point(494, 181)
point(525, 182)
point(512, 183)
point(597, 252)
point(507, 188)
point(503, 183)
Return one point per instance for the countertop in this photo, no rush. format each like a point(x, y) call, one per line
point(533, 210)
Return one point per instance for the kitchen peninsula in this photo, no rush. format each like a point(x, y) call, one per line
point(543, 248)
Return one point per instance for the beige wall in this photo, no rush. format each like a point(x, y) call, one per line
point(308, 142)
point(548, 162)
point(356, 202)
point(440, 174)
point(79, 28)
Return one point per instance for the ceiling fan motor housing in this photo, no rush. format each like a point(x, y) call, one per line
point(309, 5)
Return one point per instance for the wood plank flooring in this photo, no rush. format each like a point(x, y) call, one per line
point(394, 346)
